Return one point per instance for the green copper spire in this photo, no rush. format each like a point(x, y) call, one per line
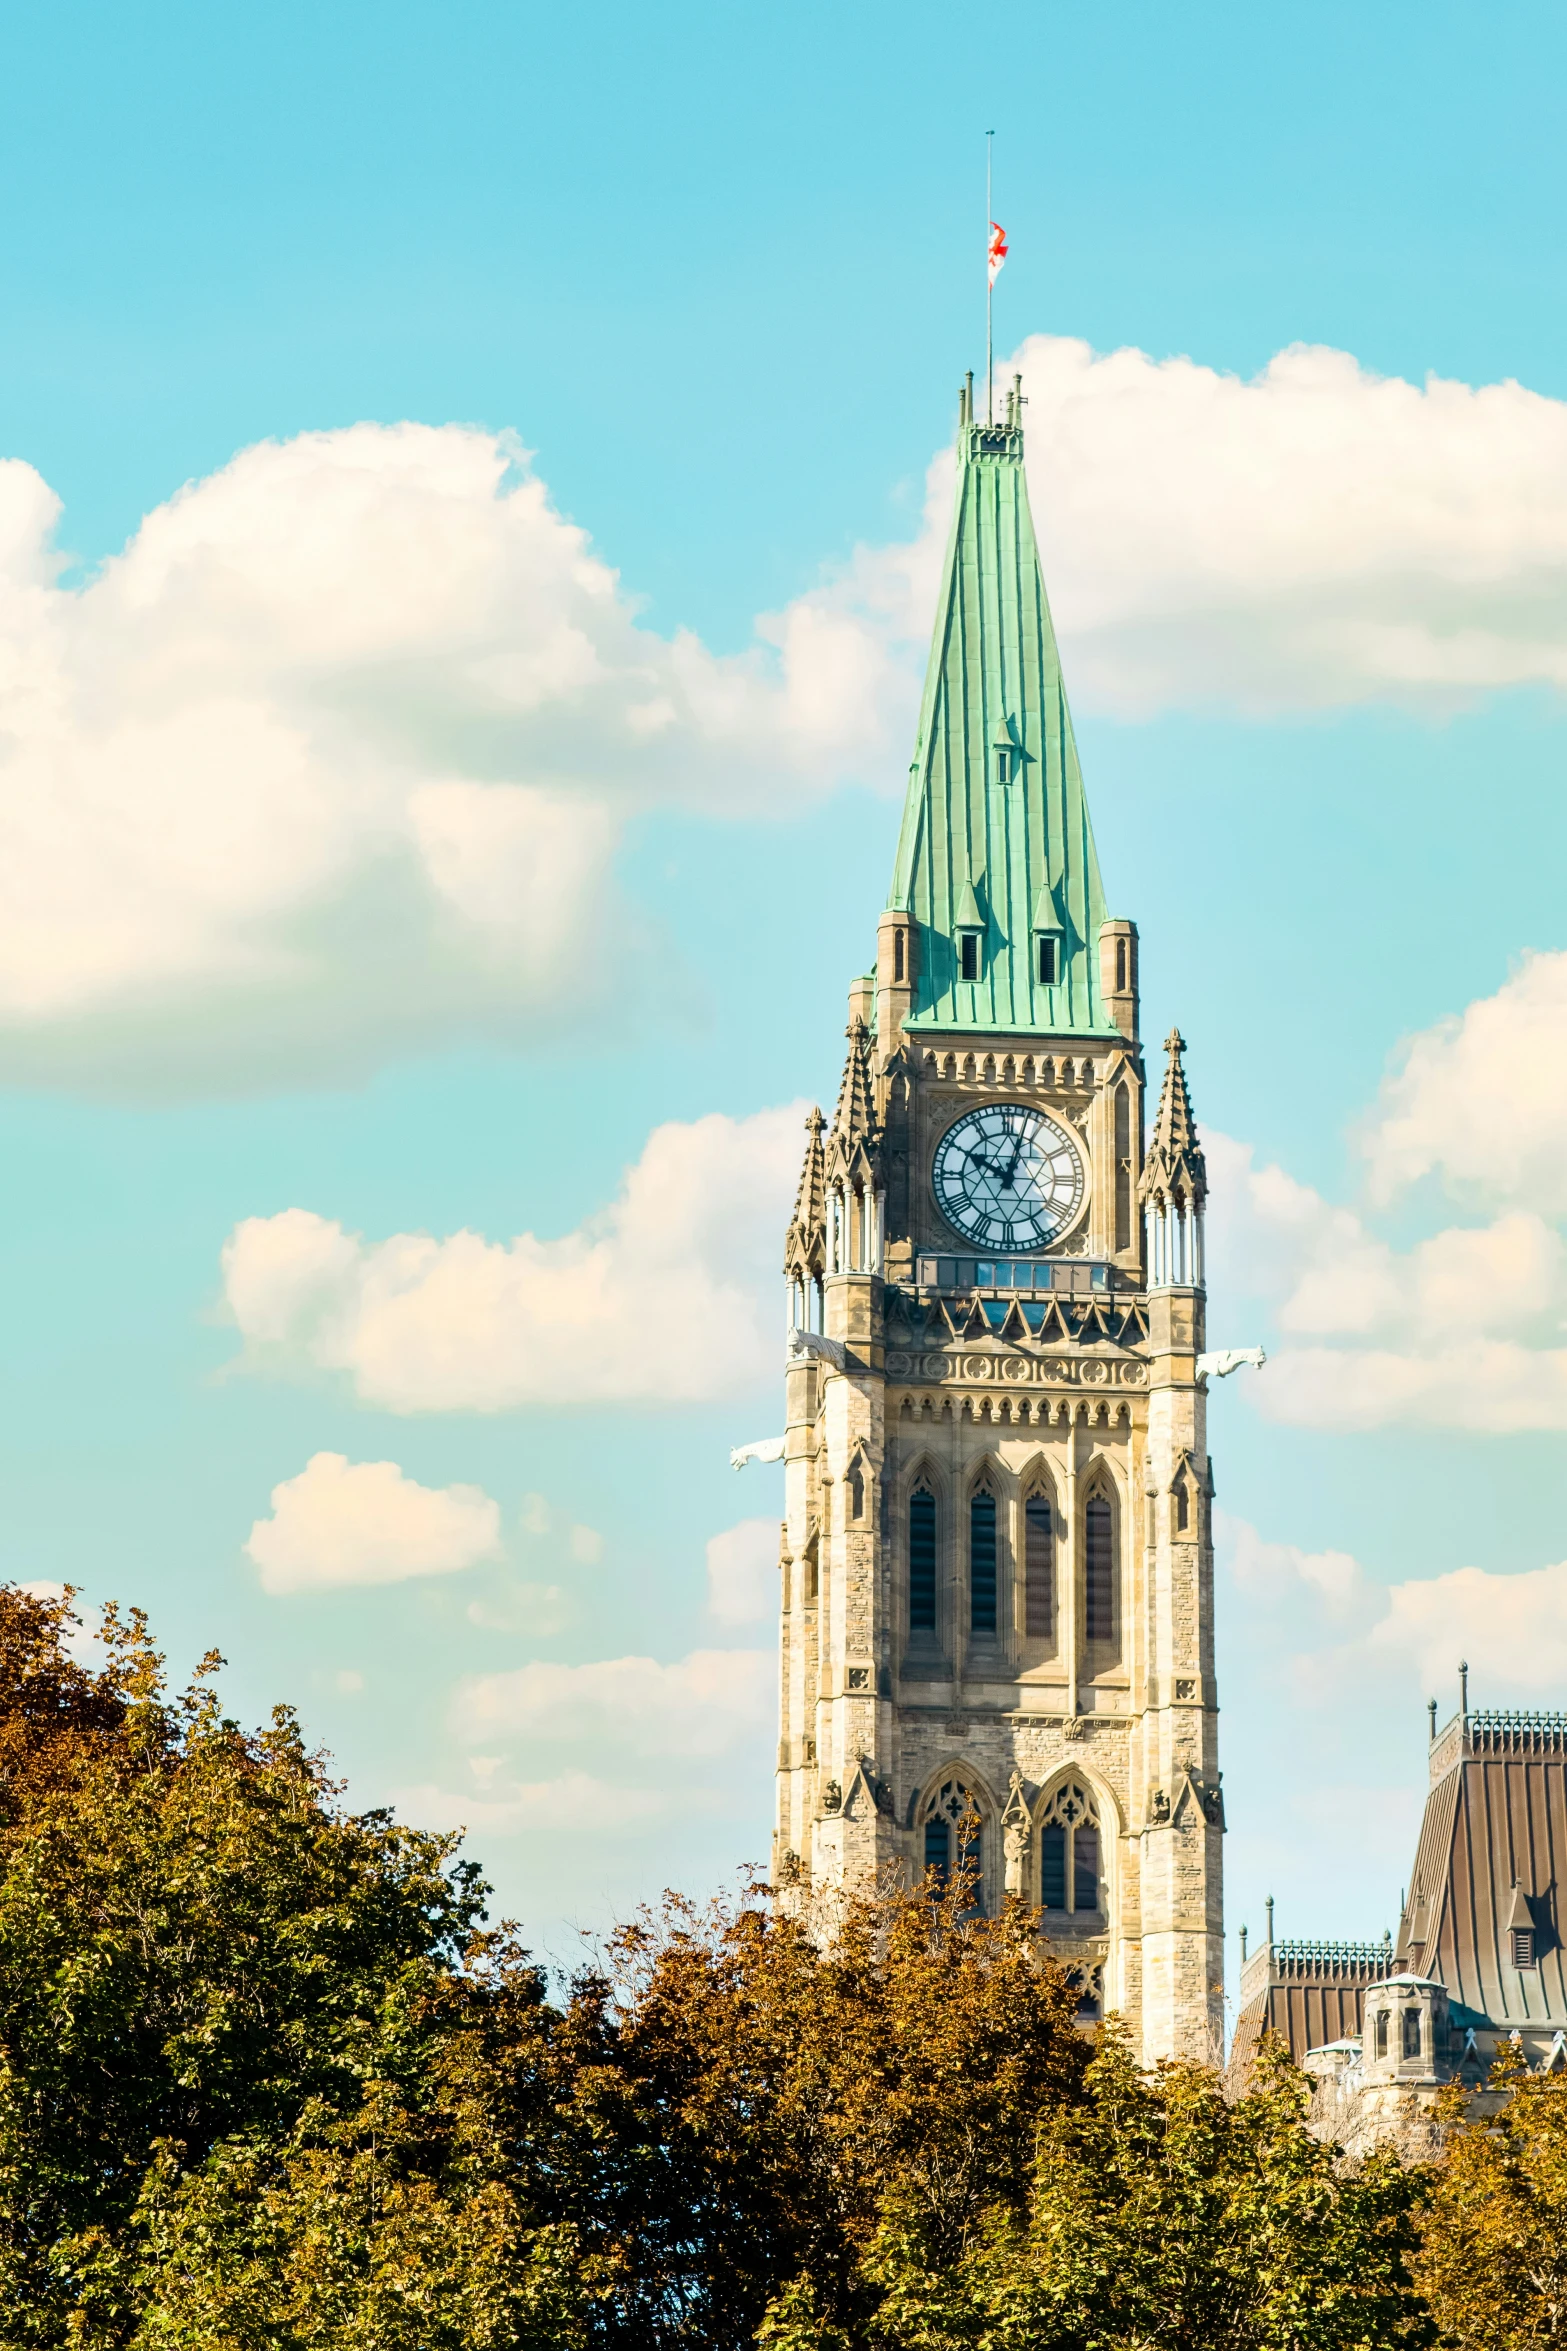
point(996, 858)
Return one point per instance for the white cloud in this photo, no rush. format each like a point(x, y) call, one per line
point(703, 1705)
point(1457, 1330)
point(580, 1804)
point(333, 758)
point(660, 1299)
point(586, 1545)
point(1512, 1629)
point(1479, 1100)
point(742, 1572)
point(1316, 535)
point(519, 1607)
point(341, 1522)
point(1271, 1570)
point(1357, 1636)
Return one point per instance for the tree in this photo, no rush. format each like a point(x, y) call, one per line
point(1161, 2213)
point(749, 2086)
point(1493, 2257)
point(262, 2071)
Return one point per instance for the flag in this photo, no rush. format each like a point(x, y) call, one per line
point(996, 252)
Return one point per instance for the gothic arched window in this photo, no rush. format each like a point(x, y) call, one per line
point(954, 1837)
point(1411, 2032)
point(1098, 1570)
point(1123, 1147)
point(1381, 2033)
point(1069, 1864)
point(1039, 1569)
point(922, 1560)
point(982, 1562)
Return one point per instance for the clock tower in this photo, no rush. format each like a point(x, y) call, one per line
point(997, 1626)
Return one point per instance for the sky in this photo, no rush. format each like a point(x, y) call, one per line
point(471, 481)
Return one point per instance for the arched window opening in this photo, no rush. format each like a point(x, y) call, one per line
point(1099, 1570)
point(922, 1561)
point(1047, 962)
point(1052, 1866)
point(856, 1491)
point(1381, 2032)
point(1123, 1163)
point(982, 1563)
point(1120, 967)
point(897, 955)
point(955, 1838)
point(1039, 1569)
point(1183, 1508)
point(1069, 1866)
point(1411, 2032)
point(968, 956)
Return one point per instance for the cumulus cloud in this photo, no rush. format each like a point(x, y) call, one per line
point(1478, 1100)
point(1314, 535)
point(703, 1705)
point(333, 759)
point(742, 1572)
point(661, 1299)
point(1460, 1329)
point(341, 1522)
point(335, 755)
point(1511, 1628)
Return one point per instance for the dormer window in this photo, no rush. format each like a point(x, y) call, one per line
point(1519, 1926)
point(1002, 753)
point(969, 931)
point(1049, 939)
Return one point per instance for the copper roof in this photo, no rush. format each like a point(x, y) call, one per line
point(1494, 1838)
point(1306, 1993)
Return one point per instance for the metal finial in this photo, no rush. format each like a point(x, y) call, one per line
point(1243, 1946)
point(1463, 1687)
point(1269, 1907)
point(1431, 1711)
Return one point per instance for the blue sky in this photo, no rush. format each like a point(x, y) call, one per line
point(417, 861)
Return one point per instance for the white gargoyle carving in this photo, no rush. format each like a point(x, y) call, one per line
point(1224, 1360)
point(812, 1343)
point(764, 1449)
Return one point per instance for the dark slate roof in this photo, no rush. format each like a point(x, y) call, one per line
point(1495, 1819)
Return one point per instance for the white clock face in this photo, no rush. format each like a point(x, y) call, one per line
point(1008, 1178)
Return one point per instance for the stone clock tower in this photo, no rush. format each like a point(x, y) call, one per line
point(997, 1563)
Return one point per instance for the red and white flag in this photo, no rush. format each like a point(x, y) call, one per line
point(996, 253)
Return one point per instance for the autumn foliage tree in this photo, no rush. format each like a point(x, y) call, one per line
point(269, 2081)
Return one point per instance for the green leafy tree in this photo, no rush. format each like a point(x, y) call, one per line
point(263, 2076)
point(1162, 2213)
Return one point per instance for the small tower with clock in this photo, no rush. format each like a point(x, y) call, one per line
point(997, 1626)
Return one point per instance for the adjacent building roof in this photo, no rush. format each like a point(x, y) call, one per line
point(1491, 1858)
point(995, 823)
point(1308, 1994)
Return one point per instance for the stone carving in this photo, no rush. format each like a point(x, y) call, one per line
point(1015, 1836)
point(832, 1797)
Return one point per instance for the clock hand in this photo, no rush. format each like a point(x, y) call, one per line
point(1010, 1178)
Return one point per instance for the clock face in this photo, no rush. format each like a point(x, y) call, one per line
point(1008, 1178)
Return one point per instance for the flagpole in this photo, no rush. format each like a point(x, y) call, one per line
point(990, 348)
